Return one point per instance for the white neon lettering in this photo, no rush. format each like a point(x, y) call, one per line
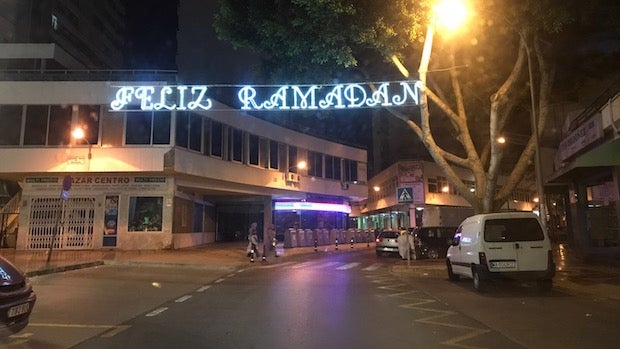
point(144, 93)
point(407, 91)
point(381, 96)
point(303, 103)
point(165, 91)
point(123, 97)
point(333, 98)
point(277, 99)
point(196, 103)
point(349, 95)
point(181, 97)
point(246, 97)
point(297, 97)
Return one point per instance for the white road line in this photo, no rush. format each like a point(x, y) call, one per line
point(302, 265)
point(157, 311)
point(327, 264)
point(277, 265)
point(348, 266)
point(183, 299)
point(218, 281)
point(203, 288)
point(113, 332)
point(373, 267)
point(38, 324)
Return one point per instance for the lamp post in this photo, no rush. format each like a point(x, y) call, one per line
point(79, 134)
point(542, 208)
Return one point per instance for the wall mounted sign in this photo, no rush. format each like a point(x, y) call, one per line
point(270, 97)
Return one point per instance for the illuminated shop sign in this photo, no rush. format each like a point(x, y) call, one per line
point(287, 97)
point(311, 206)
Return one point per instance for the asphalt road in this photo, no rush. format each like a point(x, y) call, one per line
point(327, 300)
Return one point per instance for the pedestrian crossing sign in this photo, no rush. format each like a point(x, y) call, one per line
point(404, 195)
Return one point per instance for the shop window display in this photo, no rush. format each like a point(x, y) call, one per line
point(145, 213)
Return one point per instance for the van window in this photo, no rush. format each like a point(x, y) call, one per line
point(513, 229)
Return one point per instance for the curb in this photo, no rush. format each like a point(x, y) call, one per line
point(63, 268)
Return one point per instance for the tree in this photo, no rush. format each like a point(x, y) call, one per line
point(478, 81)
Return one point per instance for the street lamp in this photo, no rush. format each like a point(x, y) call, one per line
point(79, 134)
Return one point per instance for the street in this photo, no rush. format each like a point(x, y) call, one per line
point(322, 300)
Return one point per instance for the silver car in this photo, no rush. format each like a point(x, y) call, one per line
point(387, 242)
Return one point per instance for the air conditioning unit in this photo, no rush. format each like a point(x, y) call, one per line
point(292, 177)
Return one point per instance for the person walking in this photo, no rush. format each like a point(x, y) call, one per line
point(253, 244)
point(403, 244)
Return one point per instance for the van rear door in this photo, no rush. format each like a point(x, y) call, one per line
point(515, 244)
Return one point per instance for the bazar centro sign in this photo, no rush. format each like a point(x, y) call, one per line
point(270, 97)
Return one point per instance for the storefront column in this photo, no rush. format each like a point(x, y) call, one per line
point(268, 220)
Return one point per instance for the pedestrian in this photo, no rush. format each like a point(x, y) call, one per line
point(253, 243)
point(403, 244)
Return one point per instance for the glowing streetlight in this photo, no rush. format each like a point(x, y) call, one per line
point(501, 140)
point(376, 188)
point(79, 134)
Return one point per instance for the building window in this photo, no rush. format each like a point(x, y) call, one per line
point(145, 213)
point(138, 128)
point(216, 138)
point(35, 132)
point(88, 120)
point(161, 127)
point(432, 185)
point(206, 137)
point(292, 159)
point(182, 129)
point(332, 167)
point(442, 184)
point(59, 132)
point(315, 164)
point(195, 131)
point(11, 116)
point(273, 155)
point(254, 150)
point(235, 150)
point(350, 170)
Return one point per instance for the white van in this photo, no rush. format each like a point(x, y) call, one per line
point(501, 245)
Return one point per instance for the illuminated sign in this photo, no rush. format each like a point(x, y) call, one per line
point(287, 97)
point(311, 206)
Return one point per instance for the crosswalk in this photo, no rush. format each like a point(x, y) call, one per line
point(331, 265)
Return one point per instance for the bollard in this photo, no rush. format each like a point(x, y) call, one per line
point(352, 240)
point(336, 244)
point(252, 252)
point(316, 245)
point(274, 242)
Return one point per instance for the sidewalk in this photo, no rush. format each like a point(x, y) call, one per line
point(573, 274)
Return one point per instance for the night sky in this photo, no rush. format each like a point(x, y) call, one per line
point(152, 29)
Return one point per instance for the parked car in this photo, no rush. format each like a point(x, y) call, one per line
point(432, 242)
point(16, 299)
point(386, 242)
point(501, 245)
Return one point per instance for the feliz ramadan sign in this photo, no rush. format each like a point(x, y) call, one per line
point(270, 97)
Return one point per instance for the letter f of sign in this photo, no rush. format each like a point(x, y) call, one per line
point(123, 97)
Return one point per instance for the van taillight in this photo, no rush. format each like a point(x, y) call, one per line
point(483, 258)
point(378, 239)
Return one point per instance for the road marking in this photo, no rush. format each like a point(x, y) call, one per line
point(373, 267)
point(183, 299)
point(69, 325)
point(302, 265)
point(203, 288)
point(327, 264)
point(277, 265)
point(218, 281)
point(113, 332)
point(157, 311)
point(348, 266)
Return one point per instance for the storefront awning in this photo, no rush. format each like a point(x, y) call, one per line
point(606, 155)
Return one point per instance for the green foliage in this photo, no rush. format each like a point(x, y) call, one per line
point(308, 40)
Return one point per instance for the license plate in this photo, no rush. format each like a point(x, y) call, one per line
point(503, 264)
point(18, 310)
